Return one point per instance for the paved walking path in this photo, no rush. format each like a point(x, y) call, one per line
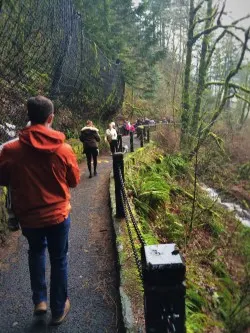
point(93, 280)
point(93, 277)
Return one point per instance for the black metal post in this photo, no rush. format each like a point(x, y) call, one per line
point(131, 142)
point(142, 137)
point(144, 131)
point(164, 289)
point(148, 134)
point(119, 142)
point(118, 164)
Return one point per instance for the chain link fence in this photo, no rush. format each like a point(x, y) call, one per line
point(44, 50)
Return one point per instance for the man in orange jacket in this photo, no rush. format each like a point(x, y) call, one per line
point(40, 168)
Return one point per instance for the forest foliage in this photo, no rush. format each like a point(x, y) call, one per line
point(45, 50)
point(184, 60)
point(214, 244)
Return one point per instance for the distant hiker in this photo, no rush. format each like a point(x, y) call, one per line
point(132, 128)
point(40, 168)
point(126, 126)
point(90, 138)
point(111, 137)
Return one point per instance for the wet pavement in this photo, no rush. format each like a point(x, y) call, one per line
point(93, 278)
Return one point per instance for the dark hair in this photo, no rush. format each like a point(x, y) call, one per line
point(39, 108)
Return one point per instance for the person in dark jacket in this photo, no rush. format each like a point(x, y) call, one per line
point(90, 138)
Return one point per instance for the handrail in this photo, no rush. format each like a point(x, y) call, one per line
point(163, 284)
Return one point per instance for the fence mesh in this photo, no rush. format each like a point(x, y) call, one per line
point(44, 50)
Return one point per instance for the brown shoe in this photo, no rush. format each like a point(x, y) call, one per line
point(40, 308)
point(58, 320)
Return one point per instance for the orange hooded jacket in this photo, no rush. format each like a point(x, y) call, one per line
point(39, 168)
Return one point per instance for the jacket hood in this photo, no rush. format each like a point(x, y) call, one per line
point(90, 128)
point(42, 138)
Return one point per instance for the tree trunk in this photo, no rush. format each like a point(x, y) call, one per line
point(185, 117)
point(202, 73)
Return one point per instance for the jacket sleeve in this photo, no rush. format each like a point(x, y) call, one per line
point(97, 137)
point(4, 168)
point(82, 136)
point(73, 172)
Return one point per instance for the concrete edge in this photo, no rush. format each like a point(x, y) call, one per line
point(127, 312)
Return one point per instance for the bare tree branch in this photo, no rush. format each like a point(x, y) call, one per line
point(230, 85)
point(243, 98)
point(221, 13)
point(226, 85)
point(236, 37)
point(210, 55)
point(234, 71)
point(198, 7)
point(208, 18)
point(213, 28)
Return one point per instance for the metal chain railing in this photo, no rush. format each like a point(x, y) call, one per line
point(137, 260)
point(135, 224)
point(126, 204)
point(160, 267)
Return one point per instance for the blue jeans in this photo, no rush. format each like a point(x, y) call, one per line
point(56, 238)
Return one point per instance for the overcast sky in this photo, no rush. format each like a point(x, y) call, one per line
point(238, 8)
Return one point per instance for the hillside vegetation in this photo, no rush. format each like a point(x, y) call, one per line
point(214, 244)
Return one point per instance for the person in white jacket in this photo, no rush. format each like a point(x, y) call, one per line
point(111, 137)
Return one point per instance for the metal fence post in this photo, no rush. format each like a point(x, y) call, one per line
point(164, 289)
point(119, 142)
point(148, 134)
point(142, 137)
point(144, 131)
point(131, 142)
point(118, 164)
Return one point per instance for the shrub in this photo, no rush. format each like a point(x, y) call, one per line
point(168, 138)
point(244, 171)
point(175, 164)
point(3, 217)
point(77, 148)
